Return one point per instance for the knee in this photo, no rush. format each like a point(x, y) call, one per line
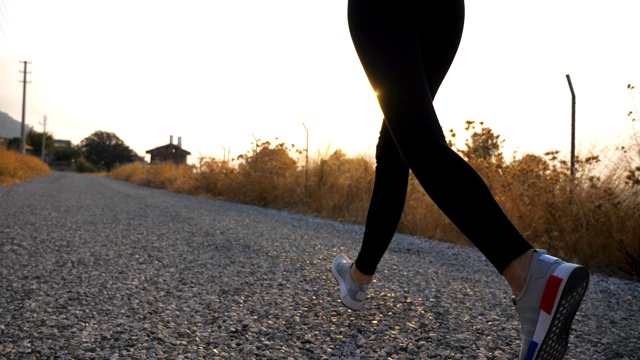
point(429, 152)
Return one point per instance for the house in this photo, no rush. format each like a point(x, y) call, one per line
point(61, 143)
point(169, 153)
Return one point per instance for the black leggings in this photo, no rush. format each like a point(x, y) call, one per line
point(406, 48)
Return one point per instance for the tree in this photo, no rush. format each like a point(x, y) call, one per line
point(106, 150)
point(14, 143)
point(34, 139)
point(66, 153)
point(483, 145)
point(532, 171)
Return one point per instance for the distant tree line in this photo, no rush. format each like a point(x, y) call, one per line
point(100, 151)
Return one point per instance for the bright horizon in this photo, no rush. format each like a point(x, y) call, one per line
point(219, 73)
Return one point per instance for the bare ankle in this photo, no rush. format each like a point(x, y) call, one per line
point(359, 277)
point(516, 272)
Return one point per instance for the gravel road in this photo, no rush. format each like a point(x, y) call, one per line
point(94, 268)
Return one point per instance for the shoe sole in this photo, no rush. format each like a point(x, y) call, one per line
point(559, 305)
point(344, 297)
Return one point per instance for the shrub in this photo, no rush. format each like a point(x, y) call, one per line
point(267, 177)
point(15, 167)
point(83, 166)
point(340, 187)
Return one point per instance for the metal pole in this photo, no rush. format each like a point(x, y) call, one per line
point(44, 137)
point(24, 102)
point(306, 162)
point(255, 152)
point(573, 127)
point(572, 219)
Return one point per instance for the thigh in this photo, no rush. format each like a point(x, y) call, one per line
point(408, 33)
point(440, 38)
point(406, 56)
point(388, 47)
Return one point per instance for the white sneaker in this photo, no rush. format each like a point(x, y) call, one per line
point(352, 294)
point(547, 305)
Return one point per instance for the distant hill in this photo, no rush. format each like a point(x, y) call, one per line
point(9, 127)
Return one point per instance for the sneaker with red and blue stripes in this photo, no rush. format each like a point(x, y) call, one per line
point(547, 305)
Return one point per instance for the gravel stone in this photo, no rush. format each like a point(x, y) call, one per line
point(94, 268)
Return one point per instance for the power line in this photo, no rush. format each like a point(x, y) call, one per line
point(7, 23)
point(4, 33)
point(6, 43)
point(4, 6)
point(5, 28)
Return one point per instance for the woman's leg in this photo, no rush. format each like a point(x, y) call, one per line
point(406, 48)
point(387, 203)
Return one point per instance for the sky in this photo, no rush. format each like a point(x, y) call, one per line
point(219, 73)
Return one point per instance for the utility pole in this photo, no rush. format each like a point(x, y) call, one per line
point(224, 153)
point(24, 101)
point(44, 137)
point(573, 127)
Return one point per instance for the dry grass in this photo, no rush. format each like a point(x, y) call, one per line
point(15, 167)
point(339, 187)
point(422, 217)
point(592, 218)
point(178, 178)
